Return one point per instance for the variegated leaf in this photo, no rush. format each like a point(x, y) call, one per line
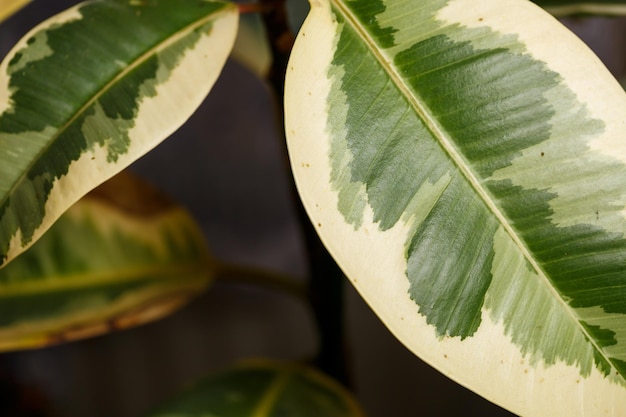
point(123, 255)
point(92, 89)
point(465, 163)
point(263, 389)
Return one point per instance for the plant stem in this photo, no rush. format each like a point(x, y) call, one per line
point(261, 278)
point(326, 295)
point(326, 280)
point(246, 8)
point(281, 39)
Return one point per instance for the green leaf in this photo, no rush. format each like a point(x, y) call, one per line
point(123, 255)
point(263, 389)
point(467, 170)
point(584, 7)
point(91, 90)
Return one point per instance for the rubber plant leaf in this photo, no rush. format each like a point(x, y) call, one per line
point(122, 256)
point(584, 7)
point(263, 389)
point(91, 90)
point(9, 7)
point(467, 170)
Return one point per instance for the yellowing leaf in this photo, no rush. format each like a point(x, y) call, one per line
point(122, 256)
point(9, 7)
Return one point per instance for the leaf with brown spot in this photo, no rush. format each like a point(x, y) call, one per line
point(122, 256)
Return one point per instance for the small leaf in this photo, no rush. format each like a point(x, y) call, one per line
point(92, 89)
point(464, 162)
point(584, 7)
point(123, 255)
point(263, 389)
point(251, 47)
point(9, 7)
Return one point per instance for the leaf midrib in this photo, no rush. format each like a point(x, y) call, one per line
point(52, 284)
point(448, 147)
point(272, 393)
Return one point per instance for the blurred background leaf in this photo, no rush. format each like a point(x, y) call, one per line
point(263, 389)
point(122, 256)
point(8, 7)
point(583, 7)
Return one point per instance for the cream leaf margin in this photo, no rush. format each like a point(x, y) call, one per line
point(488, 363)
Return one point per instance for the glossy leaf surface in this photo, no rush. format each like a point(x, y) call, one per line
point(91, 90)
point(123, 255)
point(467, 169)
point(263, 389)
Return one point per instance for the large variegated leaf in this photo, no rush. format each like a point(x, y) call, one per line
point(584, 7)
point(92, 89)
point(263, 389)
point(465, 163)
point(123, 255)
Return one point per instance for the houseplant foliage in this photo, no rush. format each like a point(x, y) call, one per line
point(462, 161)
point(123, 255)
point(98, 112)
point(263, 388)
point(478, 181)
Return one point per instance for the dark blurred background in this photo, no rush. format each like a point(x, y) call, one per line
point(226, 165)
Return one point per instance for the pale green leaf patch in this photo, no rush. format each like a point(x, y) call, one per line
point(89, 91)
point(467, 172)
point(122, 256)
